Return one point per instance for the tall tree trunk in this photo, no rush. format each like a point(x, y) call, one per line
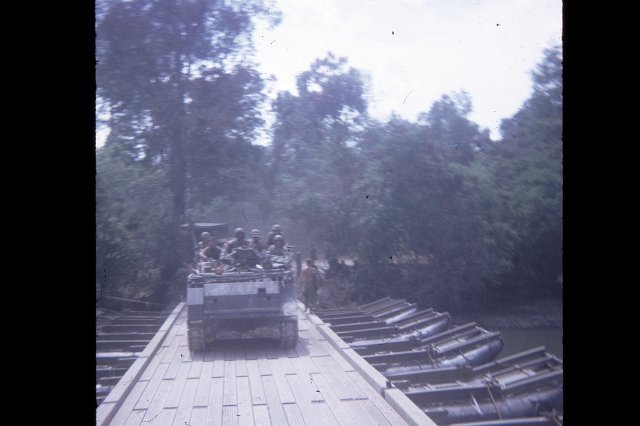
point(177, 163)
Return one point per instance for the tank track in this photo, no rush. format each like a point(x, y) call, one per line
point(195, 336)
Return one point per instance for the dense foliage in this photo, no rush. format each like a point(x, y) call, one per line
point(435, 211)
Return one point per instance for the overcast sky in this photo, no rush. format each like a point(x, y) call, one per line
point(415, 51)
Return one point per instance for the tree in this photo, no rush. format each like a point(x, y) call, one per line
point(419, 221)
point(526, 181)
point(222, 119)
point(314, 162)
point(447, 124)
point(154, 59)
point(132, 214)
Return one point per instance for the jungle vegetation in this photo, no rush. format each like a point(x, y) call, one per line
point(435, 211)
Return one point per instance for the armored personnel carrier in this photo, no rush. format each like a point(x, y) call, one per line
point(245, 295)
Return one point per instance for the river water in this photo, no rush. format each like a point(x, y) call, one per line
point(522, 339)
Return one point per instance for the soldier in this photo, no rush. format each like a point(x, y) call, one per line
point(201, 245)
point(240, 241)
point(239, 253)
point(204, 240)
point(210, 252)
point(256, 242)
point(275, 230)
point(257, 246)
point(277, 248)
point(310, 281)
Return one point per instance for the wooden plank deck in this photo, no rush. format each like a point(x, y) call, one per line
point(253, 382)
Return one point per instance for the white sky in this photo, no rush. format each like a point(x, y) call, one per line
point(415, 51)
point(418, 50)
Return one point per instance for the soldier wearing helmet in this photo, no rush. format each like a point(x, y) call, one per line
point(275, 230)
point(256, 241)
point(277, 248)
point(204, 240)
point(211, 251)
point(239, 241)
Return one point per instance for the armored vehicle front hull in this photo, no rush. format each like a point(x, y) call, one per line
point(241, 305)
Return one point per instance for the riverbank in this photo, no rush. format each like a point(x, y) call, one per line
point(546, 313)
point(538, 314)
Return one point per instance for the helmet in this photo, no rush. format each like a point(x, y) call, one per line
point(278, 238)
point(238, 232)
point(276, 228)
point(205, 235)
point(255, 232)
